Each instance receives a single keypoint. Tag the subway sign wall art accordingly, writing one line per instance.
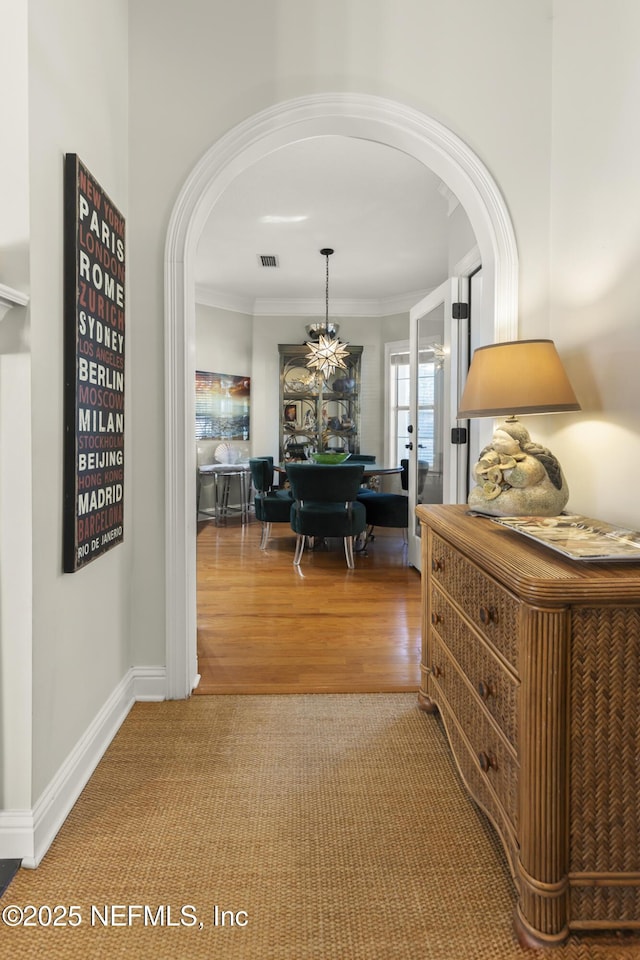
(94, 345)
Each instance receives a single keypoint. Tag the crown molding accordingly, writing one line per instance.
(208, 297)
(285, 307)
(471, 261)
(449, 196)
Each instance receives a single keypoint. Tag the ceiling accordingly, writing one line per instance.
(383, 212)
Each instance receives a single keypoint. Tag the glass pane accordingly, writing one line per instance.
(402, 383)
(430, 426)
(404, 437)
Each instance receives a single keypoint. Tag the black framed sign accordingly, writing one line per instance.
(94, 350)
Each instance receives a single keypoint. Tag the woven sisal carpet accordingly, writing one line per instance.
(277, 828)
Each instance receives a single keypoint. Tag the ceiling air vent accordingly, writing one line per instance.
(268, 260)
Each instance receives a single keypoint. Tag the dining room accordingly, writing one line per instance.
(318, 625)
(273, 620)
(269, 327)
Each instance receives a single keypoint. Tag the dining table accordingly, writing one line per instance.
(370, 471)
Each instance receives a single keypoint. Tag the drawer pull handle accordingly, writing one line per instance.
(487, 762)
(486, 690)
(488, 615)
(437, 566)
(435, 618)
(436, 671)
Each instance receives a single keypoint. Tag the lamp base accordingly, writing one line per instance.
(516, 477)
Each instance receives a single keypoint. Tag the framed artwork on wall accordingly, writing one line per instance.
(94, 351)
(223, 404)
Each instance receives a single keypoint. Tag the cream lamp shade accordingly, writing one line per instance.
(518, 377)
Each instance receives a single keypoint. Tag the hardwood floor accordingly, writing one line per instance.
(265, 626)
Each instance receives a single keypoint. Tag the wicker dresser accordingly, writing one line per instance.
(533, 662)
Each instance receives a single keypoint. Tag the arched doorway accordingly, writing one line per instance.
(348, 115)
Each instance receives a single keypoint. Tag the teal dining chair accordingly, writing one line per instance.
(271, 505)
(325, 504)
(387, 509)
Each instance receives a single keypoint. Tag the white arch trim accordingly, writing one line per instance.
(349, 115)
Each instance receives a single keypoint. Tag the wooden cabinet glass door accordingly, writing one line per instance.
(318, 413)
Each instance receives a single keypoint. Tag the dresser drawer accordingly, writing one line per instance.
(490, 752)
(494, 685)
(493, 611)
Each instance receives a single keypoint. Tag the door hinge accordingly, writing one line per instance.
(458, 435)
(460, 311)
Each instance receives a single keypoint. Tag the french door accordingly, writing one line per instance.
(438, 361)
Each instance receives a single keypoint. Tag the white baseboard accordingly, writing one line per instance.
(16, 834)
(149, 683)
(28, 834)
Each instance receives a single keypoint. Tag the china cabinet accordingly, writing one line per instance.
(318, 413)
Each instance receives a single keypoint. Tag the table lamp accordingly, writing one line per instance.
(516, 476)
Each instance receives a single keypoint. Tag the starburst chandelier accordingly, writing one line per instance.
(328, 353)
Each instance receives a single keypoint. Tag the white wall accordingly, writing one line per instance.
(595, 255)
(15, 417)
(78, 103)
(14, 161)
(223, 341)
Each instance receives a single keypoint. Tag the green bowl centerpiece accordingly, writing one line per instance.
(329, 457)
